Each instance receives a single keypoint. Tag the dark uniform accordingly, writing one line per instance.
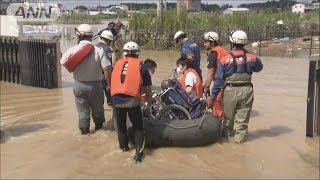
(190, 50)
(103, 80)
(233, 76)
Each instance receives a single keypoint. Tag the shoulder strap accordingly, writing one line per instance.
(234, 63)
(245, 62)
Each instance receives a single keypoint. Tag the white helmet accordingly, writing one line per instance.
(84, 30)
(131, 48)
(211, 36)
(238, 37)
(107, 35)
(178, 35)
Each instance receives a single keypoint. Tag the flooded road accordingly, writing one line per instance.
(42, 139)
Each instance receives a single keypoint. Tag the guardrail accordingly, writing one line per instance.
(32, 62)
(313, 106)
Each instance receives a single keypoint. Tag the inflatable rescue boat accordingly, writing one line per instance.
(182, 133)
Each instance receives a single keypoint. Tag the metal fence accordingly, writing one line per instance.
(313, 106)
(32, 62)
(9, 60)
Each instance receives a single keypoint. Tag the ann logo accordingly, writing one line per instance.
(38, 12)
(34, 11)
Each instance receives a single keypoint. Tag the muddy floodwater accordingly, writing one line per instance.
(42, 139)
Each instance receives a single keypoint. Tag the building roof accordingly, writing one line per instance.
(238, 9)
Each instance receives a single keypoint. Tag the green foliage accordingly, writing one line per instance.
(281, 4)
(80, 18)
(149, 32)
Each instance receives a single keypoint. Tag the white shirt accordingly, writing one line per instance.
(191, 79)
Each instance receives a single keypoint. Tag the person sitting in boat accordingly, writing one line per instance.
(193, 104)
(189, 78)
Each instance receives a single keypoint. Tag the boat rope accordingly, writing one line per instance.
(190, 126)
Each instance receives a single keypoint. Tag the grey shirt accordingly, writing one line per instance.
(90, 68)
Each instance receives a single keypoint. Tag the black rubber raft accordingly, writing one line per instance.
(182, 133)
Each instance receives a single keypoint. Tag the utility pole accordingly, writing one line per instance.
(160, 10)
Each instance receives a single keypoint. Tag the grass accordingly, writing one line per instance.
(151, 33)
(80, 18)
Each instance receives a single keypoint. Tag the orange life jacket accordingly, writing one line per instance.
(132, 82)
(221, 52)
(197, 87)
(237, 54)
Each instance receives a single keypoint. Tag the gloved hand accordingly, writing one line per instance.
(108, 89)
(209, 102)
(149, 110)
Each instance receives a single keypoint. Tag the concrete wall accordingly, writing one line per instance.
(9, 26)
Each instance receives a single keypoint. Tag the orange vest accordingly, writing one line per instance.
(221, 52)
(132, 82)
(197, 87)
(238, 53)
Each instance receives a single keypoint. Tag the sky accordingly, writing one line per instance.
(94, 3)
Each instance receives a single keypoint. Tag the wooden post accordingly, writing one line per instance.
(1, 58)
(260, 45)
(313, 107)
(311, 44)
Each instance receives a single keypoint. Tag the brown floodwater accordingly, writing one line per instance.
(42, 139)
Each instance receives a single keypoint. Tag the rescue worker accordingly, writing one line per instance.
(87, 87)
(189, 79)
(105, 42)
(118, 41)
(152, 65)
(189, 50)
(215, 54)
(233, 77)
(129, 78)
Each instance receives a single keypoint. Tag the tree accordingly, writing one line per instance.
(225, 6)
(210, 7)
(282, 4)
(81, 8)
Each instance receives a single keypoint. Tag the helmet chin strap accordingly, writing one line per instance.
(231, 45)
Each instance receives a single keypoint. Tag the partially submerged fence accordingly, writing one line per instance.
(313, 106)
(32, 62)
(9, 65)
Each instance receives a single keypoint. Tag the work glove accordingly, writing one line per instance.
(108, 89)
(209, 102)
(149, 111)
